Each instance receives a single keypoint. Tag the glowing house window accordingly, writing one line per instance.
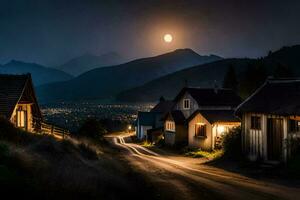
(200, 130)
(170, 126)
(21, 118)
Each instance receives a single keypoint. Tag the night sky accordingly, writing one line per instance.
(51, 32)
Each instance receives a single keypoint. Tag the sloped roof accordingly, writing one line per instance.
(177, 116)
(148, 118)
(213, 116)
(11, 89)
(275, 96)
(163, 106)
(212, 97)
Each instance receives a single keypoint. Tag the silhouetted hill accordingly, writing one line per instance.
(208, 74)
(40, 74)
(168, 86)
(86, 62)
(106, 82)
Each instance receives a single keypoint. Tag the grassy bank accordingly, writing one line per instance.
(39, 166)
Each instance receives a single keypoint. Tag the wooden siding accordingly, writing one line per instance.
(204, 143)
(193, 105)
(255, 142)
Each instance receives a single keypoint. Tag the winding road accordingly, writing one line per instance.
(177, 177)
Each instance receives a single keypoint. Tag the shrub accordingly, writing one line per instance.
(92, 128)
(232, 143)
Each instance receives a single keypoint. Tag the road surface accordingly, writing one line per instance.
(181, 178)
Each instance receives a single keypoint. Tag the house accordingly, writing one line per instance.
(175, 128)
(196, 115)
(18, 102)
(149, 124)
(206, 127)
(270, 120)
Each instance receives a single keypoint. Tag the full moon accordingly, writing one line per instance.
(168, 38)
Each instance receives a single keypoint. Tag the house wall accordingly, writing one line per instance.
(142, 131)
(27, 108)
(254, 142)
(193, 105)
(169, 138)
(204, 143)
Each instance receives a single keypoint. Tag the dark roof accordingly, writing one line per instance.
(148, 118)
(163, 106)
(177, 116)
(214, 116)
(212, 97)
(278, 97)
(11, 90)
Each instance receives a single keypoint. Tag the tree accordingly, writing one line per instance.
(230, 80)
(92, 128)
(254, 76)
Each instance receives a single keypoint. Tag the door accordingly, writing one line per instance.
(22, 119)
(274, 138)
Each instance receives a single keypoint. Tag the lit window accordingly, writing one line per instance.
(200, 130)
(255, 123)
(170, 126)
(186, 104)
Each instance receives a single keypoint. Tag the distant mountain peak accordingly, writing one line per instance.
(89, 61)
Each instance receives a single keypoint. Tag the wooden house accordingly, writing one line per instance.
(149, 125)
(196, 112)
(206, 127)
(18, 102)
(270, 119)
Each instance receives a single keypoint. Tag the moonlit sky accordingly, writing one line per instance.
(51, 32)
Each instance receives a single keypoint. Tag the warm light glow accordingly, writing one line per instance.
(168, 38)
(129, 127)
(221, 129)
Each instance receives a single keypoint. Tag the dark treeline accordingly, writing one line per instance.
(254, 76)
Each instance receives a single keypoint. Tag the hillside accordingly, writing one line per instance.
(168, 86)
(42, 167)
(86, 62)
(106, 82)
(206, 75)
(40, 74)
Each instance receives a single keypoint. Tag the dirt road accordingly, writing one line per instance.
(176, 177)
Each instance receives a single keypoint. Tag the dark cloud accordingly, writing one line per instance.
(50, 32)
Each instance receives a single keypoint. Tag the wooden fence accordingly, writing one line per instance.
(54, 130)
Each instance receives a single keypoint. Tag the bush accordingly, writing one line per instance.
(232, 143)
(92, 128)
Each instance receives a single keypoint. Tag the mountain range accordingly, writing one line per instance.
(40, 74)
(107, 82)
(87, 62)
(208, 75)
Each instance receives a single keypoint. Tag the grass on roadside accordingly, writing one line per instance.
(198, 153)
(146, 144)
